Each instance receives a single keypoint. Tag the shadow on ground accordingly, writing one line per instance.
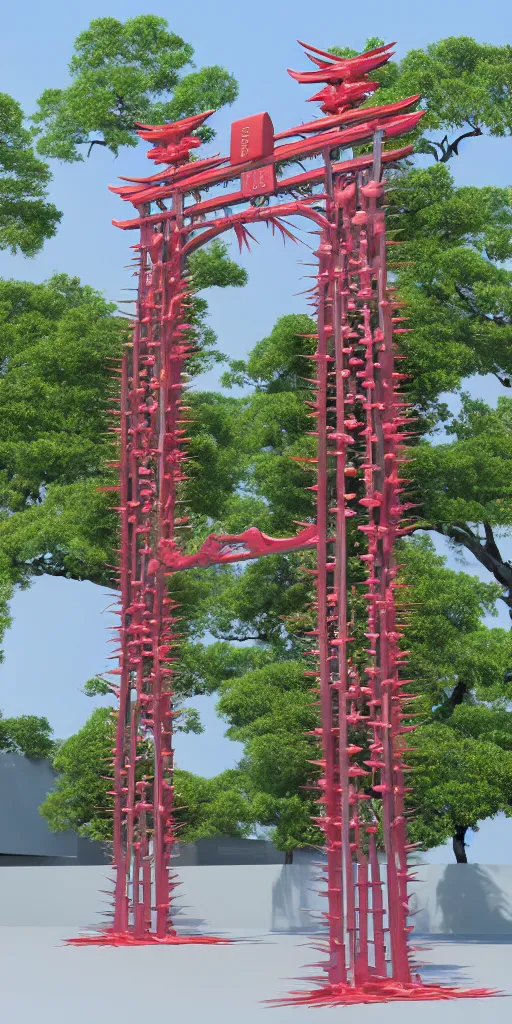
(472, 904)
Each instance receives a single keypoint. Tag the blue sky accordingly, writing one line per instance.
(58, 638)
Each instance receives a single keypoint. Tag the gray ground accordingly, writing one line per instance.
(43, 982)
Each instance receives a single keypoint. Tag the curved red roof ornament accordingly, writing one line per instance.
(346, 78)
(175, 139)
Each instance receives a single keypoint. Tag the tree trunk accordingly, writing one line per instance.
(459, 846)
(288, 857)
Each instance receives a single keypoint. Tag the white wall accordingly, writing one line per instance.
(447, 900)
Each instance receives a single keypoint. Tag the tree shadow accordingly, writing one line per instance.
(472, 904)
(294, 903)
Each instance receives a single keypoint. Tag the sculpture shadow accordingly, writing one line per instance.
(445, 974)
(295, 907)
(471, 904)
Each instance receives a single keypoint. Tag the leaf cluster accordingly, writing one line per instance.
(27, 219)
(123, 73)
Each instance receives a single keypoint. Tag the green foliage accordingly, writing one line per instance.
(55, 384)
(6, 590)
(218, 806)
(27, 735)
(252, 604)
(463, 486)
(459, 667)
(55, 392)
(460, 778)
(216, 459)
(277, 362)
(121, 73)
(241, 473)
(459, 294)
(463, 759)
(450, 648)
(202, 669)
(55, 389)
(463, 84)
(211, 268)
(80, 800)
(269, 710)
(467, 480)
(26, 219)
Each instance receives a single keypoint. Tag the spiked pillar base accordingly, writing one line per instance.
(111, 938)
(378, 991)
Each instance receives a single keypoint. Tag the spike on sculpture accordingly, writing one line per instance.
(360, 441)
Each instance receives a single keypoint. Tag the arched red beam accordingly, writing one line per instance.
(255, 215)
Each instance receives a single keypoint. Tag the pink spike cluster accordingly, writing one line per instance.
(360, 420)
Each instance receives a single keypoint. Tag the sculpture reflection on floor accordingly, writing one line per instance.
(359, 419)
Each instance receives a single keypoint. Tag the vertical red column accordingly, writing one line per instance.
(151, 466)
(329, 798)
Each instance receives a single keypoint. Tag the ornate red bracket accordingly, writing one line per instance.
(232, 547)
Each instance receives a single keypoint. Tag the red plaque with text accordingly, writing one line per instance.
(252, 138)
(260, 182)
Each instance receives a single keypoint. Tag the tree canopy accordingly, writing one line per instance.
(27, 219)
(56, 386)
(121, 73)
(461, 672)
(464, 87)
(80, 800)
(27, 735)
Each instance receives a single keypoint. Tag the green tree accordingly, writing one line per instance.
(461, 672)
(455, 241)
(464, 486)
(26, 218)
(27, 735)
(270, 710)
(459, 298)
(56, 387)
(121, 73)
(458, 243)
(6, 589)
(464, 87)
(80, 800)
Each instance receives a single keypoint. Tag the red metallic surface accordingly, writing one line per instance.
(261, 182)
(358, 134)
(358, 420)
(252, 138)
(238, 547)
(228, 200)
(349, 117)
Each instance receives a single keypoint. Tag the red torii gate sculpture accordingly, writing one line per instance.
(357, 409)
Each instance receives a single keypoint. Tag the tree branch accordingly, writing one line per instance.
(242, 639)
(505, 381)
(453, 147)
(449, 149)
(490, 543)
(430, 142)
(502, 321)
(487, 553)
(95, 142)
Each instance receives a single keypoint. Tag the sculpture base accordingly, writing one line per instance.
(378, 991)
(111, 938)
